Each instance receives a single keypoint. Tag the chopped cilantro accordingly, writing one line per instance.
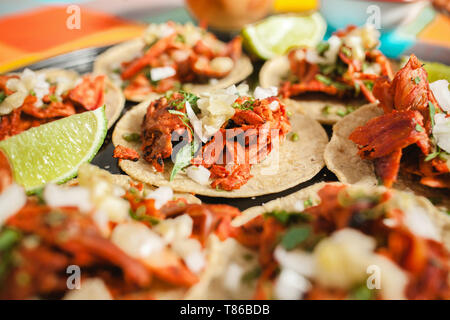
(325, 80)
(432, 112)
(341, 113)
(132, 137)
(362, 293)
(53, 98)
(8, 237)
(286, 217)
(2, 96)
(294, 236)
(369, 84)
(308, 203)
(251, 275)
(180, 38)
(326, 109)
(294, 137)
(140, 215)
(32, 93)
(346, 51)
(419, 128)
(187, 97)
(322, 47)
(246, 105)
(433, 155)
(417, 80)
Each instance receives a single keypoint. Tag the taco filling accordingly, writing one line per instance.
(354, 244)
(346, 65)
(177, 54)
(216, 137)
(127, 243)
(29, 99)
(413, 133)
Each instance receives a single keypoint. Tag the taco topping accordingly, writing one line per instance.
(222, 134)
(177, 54)
(413, 132)
(353, 245)
(29, 99)
(119, 239)
(345, 65)
(124, 153)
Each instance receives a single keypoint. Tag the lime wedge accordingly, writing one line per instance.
(54, 151)
(437, 71)
(277, 34)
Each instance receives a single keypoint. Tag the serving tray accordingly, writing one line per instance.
(82, 62)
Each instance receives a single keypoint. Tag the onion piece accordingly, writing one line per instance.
(296, 260)
(441, 93)
(136, 239)
(199, 174)
(91, 289)
(161, 196)
(56, 196)
(290, 285)
(196, 123)
(162, 73)
(441, 131)
(12, 199)
(264, 93)
(179, 228)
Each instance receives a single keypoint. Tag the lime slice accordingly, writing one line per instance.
(277, 34)
(54, 151)
(437, 71)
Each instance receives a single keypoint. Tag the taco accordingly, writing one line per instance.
(30, 98)
(125, 242)
(402, 142)
(224, 144)
(336, 241)
(333, 79)
(171, 56)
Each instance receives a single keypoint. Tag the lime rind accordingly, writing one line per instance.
(26, 170)
(277, 34)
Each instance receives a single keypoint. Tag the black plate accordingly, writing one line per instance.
(82, 62)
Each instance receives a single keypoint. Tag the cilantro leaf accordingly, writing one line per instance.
(294, 236)
(184, 157)
(2, 96)
(432, 112)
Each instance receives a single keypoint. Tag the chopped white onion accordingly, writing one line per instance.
(136, 239)
(179, 228)
(91, 289)
(290, 285)
(101, 219)
(233, 277)
(196, 123)
(441, 131)
(441, 93)
(418, 222)
(12, 199)
(222, 64)
(161, 196)
(195, 262)
(274, 105)
(162, 73)
(297, 260)
(191, 252)
(12, 102)
(263, 93)
(199, 174)
(56, 196)
(299, 205)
